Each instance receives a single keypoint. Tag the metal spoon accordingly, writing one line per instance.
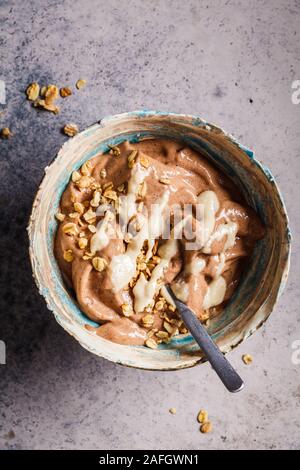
(222, 367)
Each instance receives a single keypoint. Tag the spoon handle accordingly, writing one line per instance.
(220, 364)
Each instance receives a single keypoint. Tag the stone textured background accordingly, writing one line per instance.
(232, 62)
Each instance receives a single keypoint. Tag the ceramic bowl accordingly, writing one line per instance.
(265, 275)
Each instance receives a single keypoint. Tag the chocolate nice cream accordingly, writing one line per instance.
(144, 215)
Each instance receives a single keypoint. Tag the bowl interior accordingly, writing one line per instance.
(263, 279)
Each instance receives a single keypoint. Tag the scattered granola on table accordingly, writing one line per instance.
(40, 103)
(202, 416)
(65, 92)
(33, 91)
(51, 94)
(80, 83)
(70, 129)
(45, 97)
(206, 427)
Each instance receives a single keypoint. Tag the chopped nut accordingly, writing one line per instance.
(171, 307)
(92, 228)
(164, 181)
(99, 263)
(80, 83)
(95, 186)
(84, 182)
(96, 199)
(82, 243)
(165, 316)
(115, 150)
(103, 173)
(205, 315)
(148, 320)
(79, 207)
(90, 216)
(51, 94)
(206, 427)
(76, 176)
(86, 168)
(6, 133)
(51, 107)
(43, 91)
(110, 194)
(175, 331)
(81, 234)
(68, 256)
(60, 216)
(176, 322)
(173, 411)
(70, 229)
(150, 343)
(70, 129)
(162, 334)
(33, 91)
(202, 416)
(126, 309)
(86, 257)
(131, 158)
(64, 92)
(151, 332)
(247, 358)
(89, 253)
(48, 106)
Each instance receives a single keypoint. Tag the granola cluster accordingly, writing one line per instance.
(45, 97)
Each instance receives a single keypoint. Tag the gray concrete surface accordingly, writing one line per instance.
(232, 62)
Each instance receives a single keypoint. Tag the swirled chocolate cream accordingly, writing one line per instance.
(145, 215)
